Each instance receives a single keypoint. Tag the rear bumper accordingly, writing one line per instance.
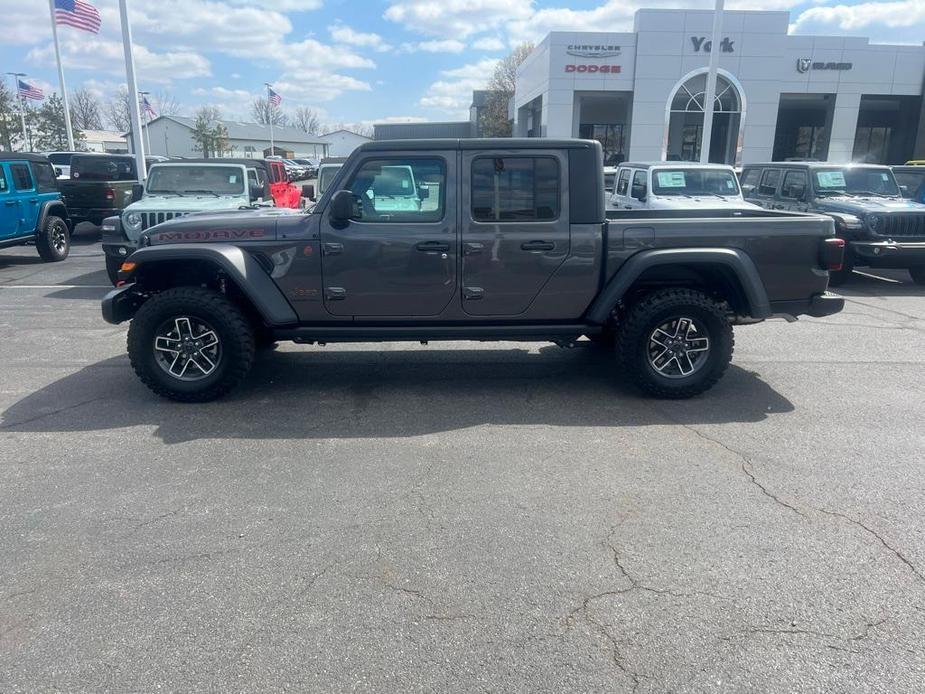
(888, 254)
(818, 306)
(120, 304)
(91, 214)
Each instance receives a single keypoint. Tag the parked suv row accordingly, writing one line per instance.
(880, 227)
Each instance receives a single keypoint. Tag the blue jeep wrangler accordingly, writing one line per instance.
(30, 206)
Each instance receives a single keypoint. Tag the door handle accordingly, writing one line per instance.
(332, 248)
(433, 246)
(33, 199)
(537, 246)
(473, 293)
(335, 293)
(10, 203)
(472, 248)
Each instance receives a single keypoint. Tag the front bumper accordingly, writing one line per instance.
(120, 304)
(818, 306)
(888, 254)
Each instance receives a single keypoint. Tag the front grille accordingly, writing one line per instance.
(901, 224)
(149, 219)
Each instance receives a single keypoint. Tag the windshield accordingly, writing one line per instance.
(220, 180)
(694, 182)
(855, 180)
(325, 177)
(61, 158)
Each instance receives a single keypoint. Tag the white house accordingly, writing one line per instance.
(342, 142)
(171, 136)
(104, 141)
(778, 95)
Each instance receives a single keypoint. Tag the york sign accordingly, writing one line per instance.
(704, 45)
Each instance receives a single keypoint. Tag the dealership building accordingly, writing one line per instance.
(778, 95)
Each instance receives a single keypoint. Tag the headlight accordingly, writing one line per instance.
(133, 220)
(848, 221)
(874, 221)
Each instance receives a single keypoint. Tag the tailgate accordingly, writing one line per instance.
(85, 194)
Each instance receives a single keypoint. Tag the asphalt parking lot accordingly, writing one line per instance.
(460, 517)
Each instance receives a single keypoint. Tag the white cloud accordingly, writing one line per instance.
(282, 5)
(312, 56)
(453, 93)
(489, 43)
(105, 56)
(888, 21)
(456, 18)
(344, 34)
(437, 46)
(306, 88)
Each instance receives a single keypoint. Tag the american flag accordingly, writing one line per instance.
(79, 14)
(147, 108)
(29, 91)
(273, 97)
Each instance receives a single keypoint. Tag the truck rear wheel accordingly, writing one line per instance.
(675, 343)
(53, 241)
(190, 344)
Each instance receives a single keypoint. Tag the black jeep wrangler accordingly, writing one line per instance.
(467, 239)
(880, 227)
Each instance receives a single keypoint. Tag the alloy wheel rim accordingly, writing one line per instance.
(187, 348)
(58, 238)
(678, 347)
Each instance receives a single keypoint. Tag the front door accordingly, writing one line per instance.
(398, 256)
(515, 231)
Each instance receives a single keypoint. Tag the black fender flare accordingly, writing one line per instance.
(52, 207)
(732, 259)
(239, 266)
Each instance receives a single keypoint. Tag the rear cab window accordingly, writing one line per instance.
(103, 168)
(515, 189)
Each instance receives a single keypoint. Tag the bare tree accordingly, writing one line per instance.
(263, 112)
(209, 134)
(493, 120)
(306, 120)
(164, 103)
(86, 113)
(117, 111)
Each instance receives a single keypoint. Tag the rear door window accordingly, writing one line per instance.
(623, 183)
(4, 186)
(22, 179)
(749, 181)
(515, 189)
(639, 179)
(794, 185)
(769, 181)
(45, 177)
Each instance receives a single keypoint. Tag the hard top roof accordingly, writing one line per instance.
(676, 165)
(23, 156)
(813, 165)
(234, 161)
(493, 143)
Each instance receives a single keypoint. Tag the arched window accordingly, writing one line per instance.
(691, 95)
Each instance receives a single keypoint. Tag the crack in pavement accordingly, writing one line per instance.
(899, 555)
(29, 420)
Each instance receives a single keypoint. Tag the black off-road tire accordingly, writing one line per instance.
(918, 274)
(113, 263)
(53, 241)
(653, 310)
(235, 334)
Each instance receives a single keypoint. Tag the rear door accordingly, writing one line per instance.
(398, 256)
(9, 206)
(28, 198)
(620, 199)
(515, 228)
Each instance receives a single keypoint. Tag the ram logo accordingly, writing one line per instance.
(803, 64)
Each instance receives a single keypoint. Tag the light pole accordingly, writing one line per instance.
(144, 95)
(137, 143)
(22, 107)
(710, 92)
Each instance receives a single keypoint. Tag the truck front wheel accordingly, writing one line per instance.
(53, 241)
(675, 343)
(190, 344)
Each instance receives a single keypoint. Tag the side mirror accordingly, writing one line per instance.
(308, 191)
(57, 171)
(343, 208)
(639, 192)
(138, 190)
(423, 192)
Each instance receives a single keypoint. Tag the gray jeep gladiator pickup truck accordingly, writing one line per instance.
(467, 240)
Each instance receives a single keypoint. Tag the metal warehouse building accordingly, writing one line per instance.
(778, 95)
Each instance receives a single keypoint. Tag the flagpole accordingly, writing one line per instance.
(22, 109)
(67, 109)
(270, 118)
(137, 137)
(147, 116)
(710, 93)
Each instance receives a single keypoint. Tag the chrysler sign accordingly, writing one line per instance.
(593, 51)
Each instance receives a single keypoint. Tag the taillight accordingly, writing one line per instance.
(110, 194)
(833, 254)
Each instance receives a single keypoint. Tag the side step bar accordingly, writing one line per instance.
(425, 333)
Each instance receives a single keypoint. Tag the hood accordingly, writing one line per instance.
(187, 203)
(705, 202)
(218, 227)
(859, 206)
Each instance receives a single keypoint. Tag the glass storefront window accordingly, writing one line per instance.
(610, 137)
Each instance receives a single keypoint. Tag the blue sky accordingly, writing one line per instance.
(357, 61)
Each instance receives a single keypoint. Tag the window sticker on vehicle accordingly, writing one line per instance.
(232, 179)
(831, 179)
(730, 184)
(884, 177)
(671, 179)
